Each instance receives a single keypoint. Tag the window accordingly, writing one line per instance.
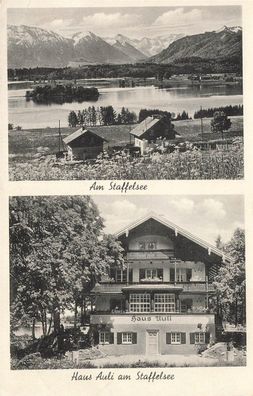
(199, 338)
(151, 246)
(175, 338)
(147, 274)
(147, 245)
(139, 302)
(104, 338)
(121, 275)
(126, 338)
(164, 302)
(181, 275)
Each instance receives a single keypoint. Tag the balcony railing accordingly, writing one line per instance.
(186, 286)
(199, 310)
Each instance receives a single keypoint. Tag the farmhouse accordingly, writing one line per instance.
(83, 144)
(162, 301)
(151, 129)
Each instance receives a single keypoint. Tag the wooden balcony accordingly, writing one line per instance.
(190, 287)
(149, 255)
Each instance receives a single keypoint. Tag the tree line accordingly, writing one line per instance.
(144, 113)
(103, 115)
(191, 65)
(236, 110)
(62, 93)
(58, 252)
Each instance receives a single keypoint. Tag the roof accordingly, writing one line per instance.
(144, 126)
(178, 230)
(80, 132)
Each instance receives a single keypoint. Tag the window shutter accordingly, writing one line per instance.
(130, 275)
(172, 274)
(160, 273)
(142, 273)
(192, 338)
(134, 338)
(113, 273)
(119, 338)
(111, 338)
(207, 338)
(96, 337)
(183, 338)
(168, 338)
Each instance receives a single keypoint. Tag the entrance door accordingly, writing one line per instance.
(152, 342)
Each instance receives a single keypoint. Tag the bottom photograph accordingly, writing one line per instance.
(135, 281)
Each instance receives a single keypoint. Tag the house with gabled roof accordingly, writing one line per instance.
(151, 129)
(83, 144)
(162, 300)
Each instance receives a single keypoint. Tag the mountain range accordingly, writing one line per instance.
(223, 43)
(32, 46)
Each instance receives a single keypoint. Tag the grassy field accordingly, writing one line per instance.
(29, 142)
(33, 141)
(175, 166)
(191, 129)
(31, 157)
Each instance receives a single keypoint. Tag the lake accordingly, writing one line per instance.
(175, 99)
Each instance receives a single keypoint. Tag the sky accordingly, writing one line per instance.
(131, 21)
(205, 216)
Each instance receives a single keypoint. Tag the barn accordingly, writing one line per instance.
(84, 144)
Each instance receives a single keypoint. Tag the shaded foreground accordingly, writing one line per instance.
(190, 165)
(35, 362)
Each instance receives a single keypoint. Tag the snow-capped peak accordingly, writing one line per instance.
(85, 36)
(233, 29)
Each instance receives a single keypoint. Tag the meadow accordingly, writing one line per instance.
(31, 156)
(224, 164)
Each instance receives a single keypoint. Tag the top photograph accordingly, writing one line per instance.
(125, 93)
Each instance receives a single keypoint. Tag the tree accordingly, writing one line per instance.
(218, 242)
(57, 254)
(220, 122)
(72, 119)
(230, 280)
(80, 117)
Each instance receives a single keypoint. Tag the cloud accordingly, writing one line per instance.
(185, 205)
(57, 24)
(179, 17)
(115, 20)
(212, 208)
(120, 213)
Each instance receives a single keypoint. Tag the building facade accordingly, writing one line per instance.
(162, 301)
